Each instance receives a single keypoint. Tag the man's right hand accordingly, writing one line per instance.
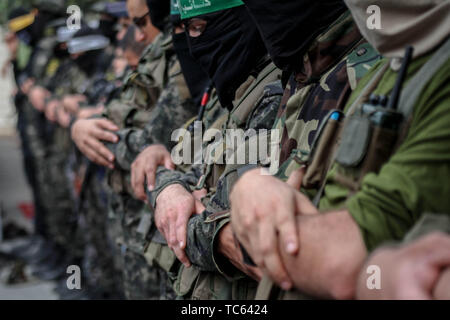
(50, 110)
(72, 102)
(174, 207)
(263, 213)
(88, 134)
(37, 97)
(145, 166)
(410, 272)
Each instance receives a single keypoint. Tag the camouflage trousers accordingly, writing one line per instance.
(141, 281)
(99, 262)
(58, 196)
(29, 126)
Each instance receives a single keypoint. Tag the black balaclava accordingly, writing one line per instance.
(196, 78)
(107, 27)
(88, 61)
(229, 49)
(289, 27)
(159, 12)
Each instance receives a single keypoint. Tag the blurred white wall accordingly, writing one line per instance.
(7, 112)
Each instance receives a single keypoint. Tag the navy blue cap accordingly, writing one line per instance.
(117, 9)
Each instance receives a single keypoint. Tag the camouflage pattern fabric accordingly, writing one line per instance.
(325, 83)
(155, 101)
(255, 107)
(322, 85)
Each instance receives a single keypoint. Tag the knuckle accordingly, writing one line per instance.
(265, 248)
(436, 237)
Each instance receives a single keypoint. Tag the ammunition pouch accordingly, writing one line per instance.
(364, 148)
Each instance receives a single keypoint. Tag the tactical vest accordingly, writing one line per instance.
(157, 253)
(361, 143)
(247, 97)
(141, 91)
(192, 283)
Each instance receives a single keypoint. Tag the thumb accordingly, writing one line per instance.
(198, 207)
(296, 177)
(168, 163)
(108, 125)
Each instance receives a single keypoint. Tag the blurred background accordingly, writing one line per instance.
(16, 207)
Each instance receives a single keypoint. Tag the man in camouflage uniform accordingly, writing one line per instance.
(154, 102)
(369, 198)
(251, 96)
(43, 66)
(21, 54)
(69, 79)
(344, 36)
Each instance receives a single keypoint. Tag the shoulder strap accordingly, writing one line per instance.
(416, 85)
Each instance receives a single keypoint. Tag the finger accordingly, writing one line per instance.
(160, 225)
(100, 134)
(439, 253)
(199, 194)
(107, 125)
(150, 174)
(304, 206)
(101, 151)
(168, 163)
(198, 207)
(134, 169)
(181, 230)
(181, 255)
(286, 225)
(139, 181)
(271, 257)
(172, 230)
(256, 273)
(296, 177)
(93, 156)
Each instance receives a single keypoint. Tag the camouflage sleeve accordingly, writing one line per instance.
(199, 249)
(164, 178)
(173, 108)
(203, 230)
(202, 235)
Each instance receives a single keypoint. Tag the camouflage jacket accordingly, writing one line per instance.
(331, 68)
(187, 174)
(255, 107)
(154, 102)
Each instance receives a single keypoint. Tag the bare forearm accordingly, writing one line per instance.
(330, 257)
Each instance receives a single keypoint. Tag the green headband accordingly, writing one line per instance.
(193, 8)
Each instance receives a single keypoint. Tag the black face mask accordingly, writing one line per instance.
(159, 12)
(228, 50)
(196, 78)
(88, 61)
(60, 53)
(106, 28)
(289, 27)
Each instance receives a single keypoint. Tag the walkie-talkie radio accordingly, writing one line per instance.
(383, 111)
(371, 133)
